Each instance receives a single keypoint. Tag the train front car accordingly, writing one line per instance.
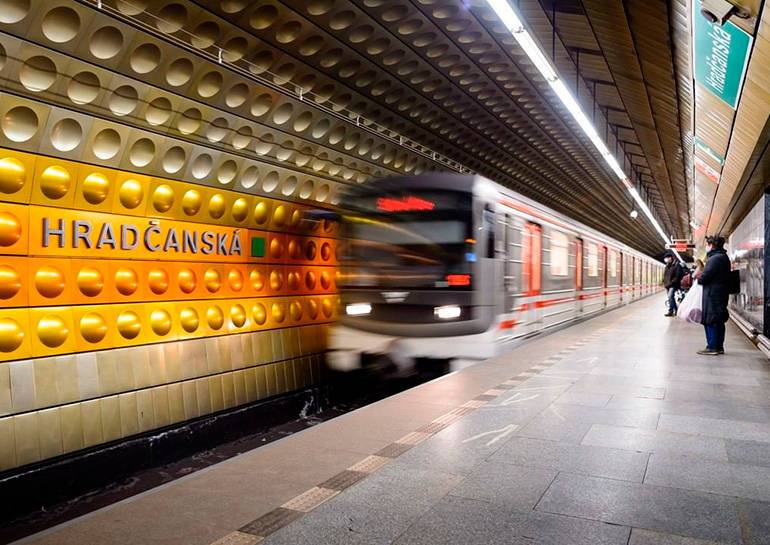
(417, 253)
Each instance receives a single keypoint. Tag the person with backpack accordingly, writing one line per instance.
(672, 278)
(716, 281)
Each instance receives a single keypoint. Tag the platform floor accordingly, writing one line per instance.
(612, 431)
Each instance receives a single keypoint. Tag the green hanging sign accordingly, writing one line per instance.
(721, 56)
(709, 151)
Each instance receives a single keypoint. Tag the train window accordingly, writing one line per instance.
(593, 260)
(488, 220)
(613, 263)
(559, 254)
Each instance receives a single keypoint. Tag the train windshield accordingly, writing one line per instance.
(408, 240)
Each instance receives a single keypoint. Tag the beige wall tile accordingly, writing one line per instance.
(109, 377)
(22, 385)
(111, 425)
(125, 369)
(88, 375)
(217, 397)
(91, 414)
(157, 359)
(51, 443)
(7, 444)
(140, 361)
(160, 403)
(67, 379)
(228, 391)
(239, 383)
(176, 403)
(6, 405)
(145, 410)
(171, 355)
(71, 427)
(129, 416)
(46, 388)
(280, 377)
(250, 381)
(204, 396)
(190, 398)
(261, 375)
(27, 436)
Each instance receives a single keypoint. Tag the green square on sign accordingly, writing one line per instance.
(257, 246)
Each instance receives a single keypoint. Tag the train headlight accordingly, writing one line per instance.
(358, 309)
(447, 312)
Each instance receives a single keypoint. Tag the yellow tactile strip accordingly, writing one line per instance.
(257, 530)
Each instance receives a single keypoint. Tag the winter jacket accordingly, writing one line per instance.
(672, 275)
(715, 279)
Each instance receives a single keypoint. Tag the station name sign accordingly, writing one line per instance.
(68, 233)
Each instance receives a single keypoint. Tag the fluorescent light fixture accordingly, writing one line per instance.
(358, 309)
(537, 56)
(447, 312)
(634, 214)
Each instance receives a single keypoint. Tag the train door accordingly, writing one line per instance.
(515, 276)
(579, 275)
(533, 255)
(605, 275)
(621, 278)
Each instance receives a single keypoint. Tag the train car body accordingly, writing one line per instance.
(450, 266)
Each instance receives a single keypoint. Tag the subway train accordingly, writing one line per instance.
(443, 266)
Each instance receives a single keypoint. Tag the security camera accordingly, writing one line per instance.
(719, 11)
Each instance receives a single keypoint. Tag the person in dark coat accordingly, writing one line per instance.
(672, 278)
(715, 279)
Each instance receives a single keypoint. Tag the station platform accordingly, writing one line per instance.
(612, 431)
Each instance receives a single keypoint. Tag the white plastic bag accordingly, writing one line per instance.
(691, 308)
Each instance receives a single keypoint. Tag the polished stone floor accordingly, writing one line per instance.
(624, 437)
(612, 431)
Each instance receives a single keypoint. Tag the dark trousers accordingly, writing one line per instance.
(672, 300)
(715, 336)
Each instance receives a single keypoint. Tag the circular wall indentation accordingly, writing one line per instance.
(163, 198)
(19, 124)
(142, 152)
(249, 177)
(212, 280)
(242, 137)
(306, 190)
(189, 121)
(158, 281)
(55, 182)
(261, 104)
(49, 281)
(259, 313)
(52, 330)
(129, 325)
(323, 193)
(158, 111)
(92, 327)
(217, 205)
(205, 34)
(240, 209)
(260, 212)
(270, 181)
(275, 280)
(145, 58)
(235, 49)
(10, 282)
(278, 311)
(237, 315)
(131, 7)
(61, 24)
(126, 281)
(237, 95)
(235, 280)
(131, 193)
(263, 17)
(283, 113)
(11, 335)
(171, 18)
(257, 280)
(214, 317)
(188, 318)
(210, 84)
(13, 11)
(90, 281)
(186, 280)
(160, 322)
(95, 188)
(217, 130)
(202, 166)
(179, 72)
(10, 229)
(289, 185)
(123, 100)
(191, 202)
(66, 135)
(37, 73)
(13, 175)
(174, 159)
(106, 144)
(227, 171)
(83, 88)
(106, 42)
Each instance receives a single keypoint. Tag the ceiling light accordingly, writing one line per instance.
(634, 213)
(537, 56)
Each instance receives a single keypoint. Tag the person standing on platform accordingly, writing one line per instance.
(715, 279)
(672, 277)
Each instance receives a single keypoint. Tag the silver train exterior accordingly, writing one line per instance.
(449, 266)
